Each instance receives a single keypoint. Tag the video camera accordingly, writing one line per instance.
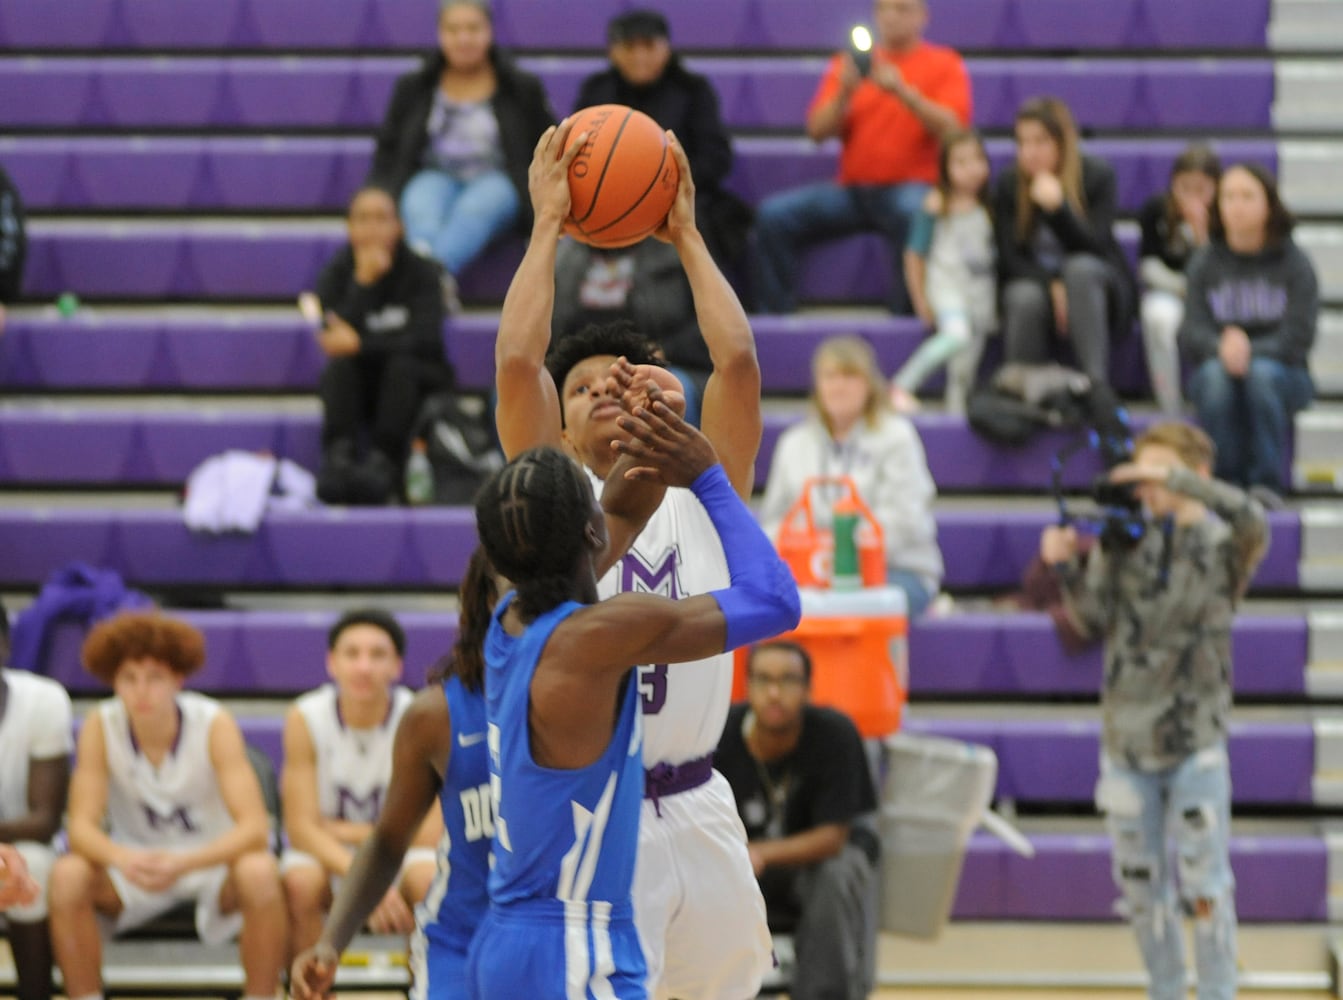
(1118, 521)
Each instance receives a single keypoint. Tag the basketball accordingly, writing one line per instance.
(623, 181)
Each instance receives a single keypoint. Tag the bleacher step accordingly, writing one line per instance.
(1321, 547)
(1306, 25)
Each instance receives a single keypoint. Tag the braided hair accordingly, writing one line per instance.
(479, 594)
(531, 515)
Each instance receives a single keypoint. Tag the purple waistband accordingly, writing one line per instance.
(662, 780)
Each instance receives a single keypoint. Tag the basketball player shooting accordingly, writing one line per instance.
(697, 905)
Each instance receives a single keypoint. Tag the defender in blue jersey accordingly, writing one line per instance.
(565, 745)
(439, 752)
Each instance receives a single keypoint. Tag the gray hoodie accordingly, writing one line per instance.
(1272, 295)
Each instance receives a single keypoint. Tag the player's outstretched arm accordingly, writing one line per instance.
(730, 413)
(528, 410)
(423, 737)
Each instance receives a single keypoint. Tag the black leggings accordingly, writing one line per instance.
(380, 393)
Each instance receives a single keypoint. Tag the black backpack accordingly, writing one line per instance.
(1022, 400)
(459, 440)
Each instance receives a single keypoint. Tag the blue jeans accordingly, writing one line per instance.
(789, 222)
(456, 220)
(917, 594)
(1250, 418)
(1192, 803)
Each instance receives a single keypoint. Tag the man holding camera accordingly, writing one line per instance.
(890, 108)
(1163, 602)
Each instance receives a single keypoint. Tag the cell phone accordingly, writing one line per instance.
(860, 48)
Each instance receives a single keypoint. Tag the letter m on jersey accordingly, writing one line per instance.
(656, 577)
(355, 808)
(176, 820)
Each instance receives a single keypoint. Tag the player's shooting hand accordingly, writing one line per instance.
(666, 448)
(548, 175)
(680, 221)
(392, 915)
(313, 973)
(1058, 544)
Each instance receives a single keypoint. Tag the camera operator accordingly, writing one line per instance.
(1163, 605)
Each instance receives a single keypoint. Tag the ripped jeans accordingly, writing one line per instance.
(1190, 803)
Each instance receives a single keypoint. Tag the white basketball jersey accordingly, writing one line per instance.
(677, 555)
(36, 726)
(177, 804)
(353, 765)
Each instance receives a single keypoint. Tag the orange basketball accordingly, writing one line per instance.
(622, 183)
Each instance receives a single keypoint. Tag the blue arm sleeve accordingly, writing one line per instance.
(920, 238)
(762, 600)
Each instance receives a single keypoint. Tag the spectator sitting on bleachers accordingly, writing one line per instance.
(382, 312)
(429, 766)
(854, 433)
(1059, 264)
(643, 284)
(1174, 224)
(1164, 606)
(337, 763)
(645, 74)
(803, 789)
(165, 809)
(1249, 325)
(891, 124)
(951, 276)
(35, 746)
(456, 141)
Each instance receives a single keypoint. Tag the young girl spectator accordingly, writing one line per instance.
(457, 140)
(949, 270)
(1248, 328)
(1174, 225)
(854, 433)
(1062, 270)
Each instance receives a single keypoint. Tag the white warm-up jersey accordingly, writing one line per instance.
(677, 555)
(177, 804)
(353, 765)
(36, 726)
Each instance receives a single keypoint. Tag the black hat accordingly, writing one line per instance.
(636, 25)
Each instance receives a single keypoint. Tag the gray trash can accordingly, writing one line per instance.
(934, 794)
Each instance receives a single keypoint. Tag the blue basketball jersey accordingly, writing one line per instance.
(560, 835)
(457, 900)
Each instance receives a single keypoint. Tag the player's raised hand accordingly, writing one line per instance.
(666, 448)
(313, 973)
(630, 384)
(680, 220)
(548, 175)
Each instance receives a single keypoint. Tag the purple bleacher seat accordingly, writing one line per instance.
(48, 444)
(287, 174)
(1278, 878)
(1056, 760)
(261, 653)
(324, 92)
(1018, 653)
(98, 350)
(394, 547)
(706, 24)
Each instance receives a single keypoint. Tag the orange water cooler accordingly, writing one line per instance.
(858, 641)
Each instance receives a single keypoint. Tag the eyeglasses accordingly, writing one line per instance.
(789, 682)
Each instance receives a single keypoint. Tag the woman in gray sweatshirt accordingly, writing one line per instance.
(1248, 327)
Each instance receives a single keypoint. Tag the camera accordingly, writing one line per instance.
(860, 48)
(1118, 521)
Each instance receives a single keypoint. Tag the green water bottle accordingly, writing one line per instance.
(419, 475)
(846, 574)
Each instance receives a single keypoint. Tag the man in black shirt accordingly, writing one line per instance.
(382, 331)
(645, 74)
(803, 788)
